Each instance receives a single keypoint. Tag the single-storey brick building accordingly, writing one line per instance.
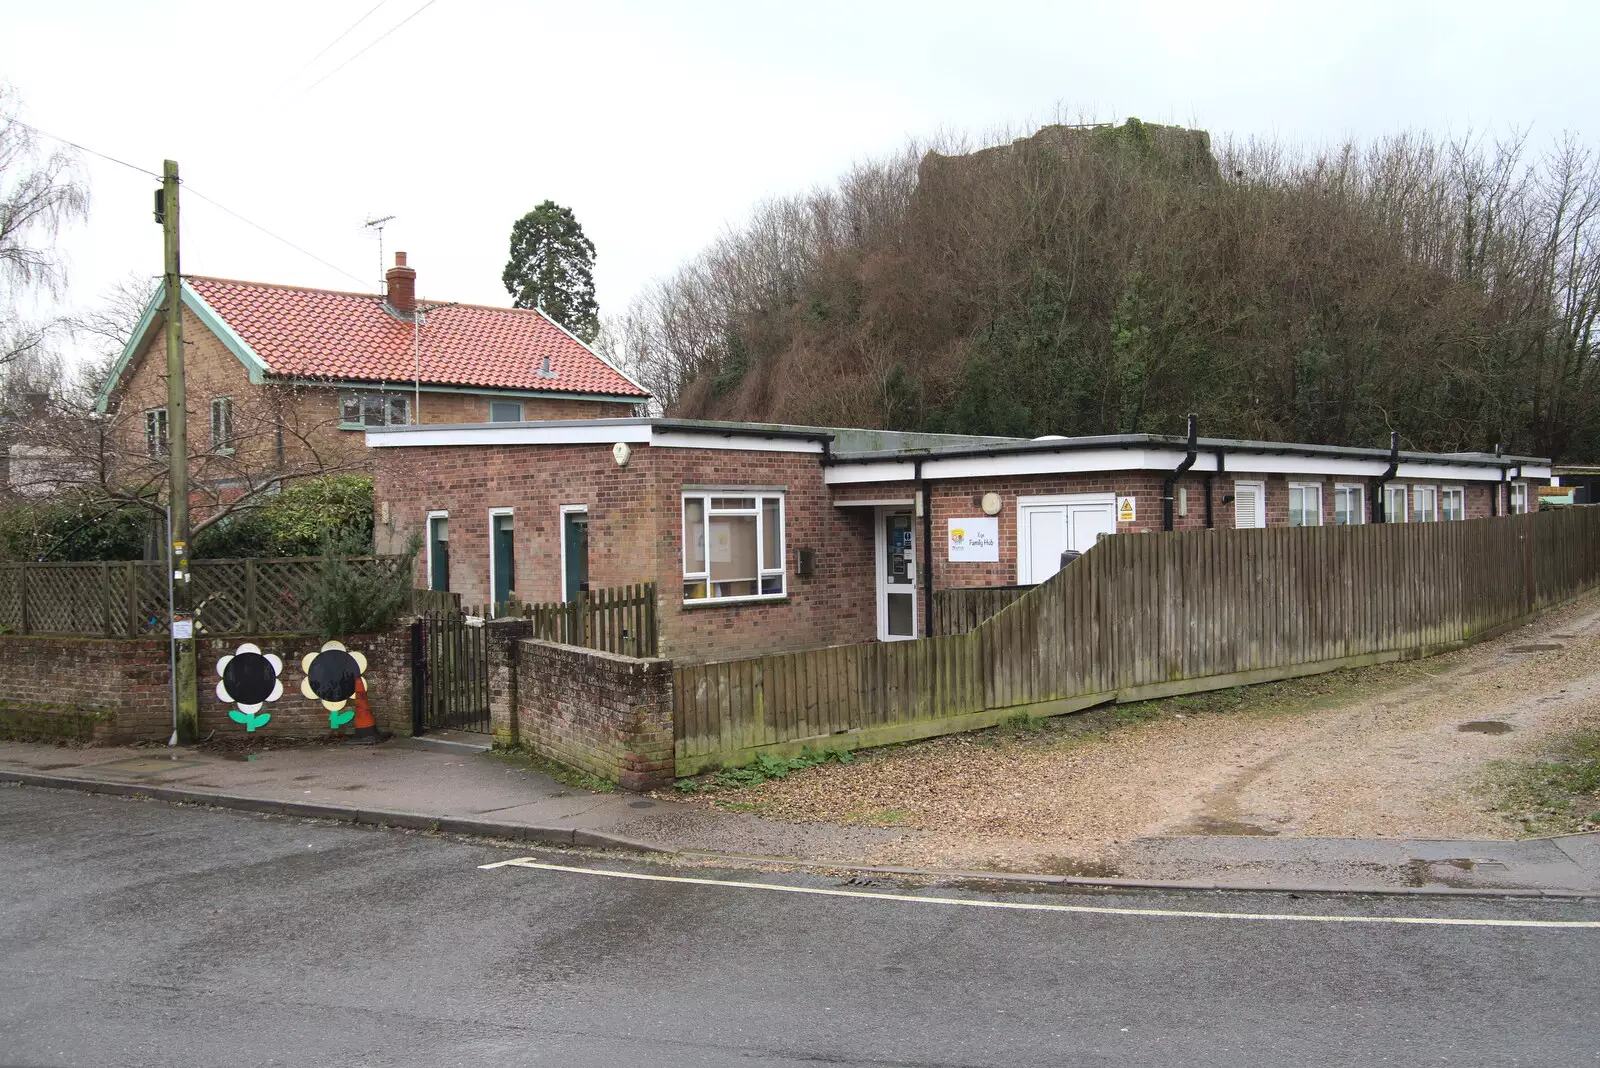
(769, 538)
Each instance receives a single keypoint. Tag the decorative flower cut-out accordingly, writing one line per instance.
(249, 678)
(331, 677)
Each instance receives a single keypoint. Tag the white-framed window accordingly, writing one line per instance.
(1519, 498)
(1424, 504)
(1249, 504)
(438, 550)
(1349, 505)
(732, 545)
(502, 556)
(222, 425)
(1305, 504)
(1452, 503)
(505, 411)
(155, 433)
(358, 410)
(1394, 504)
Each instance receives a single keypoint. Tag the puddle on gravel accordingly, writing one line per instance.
(1485, 726)
(1211, 825)
(1537, 647)
(53, 767)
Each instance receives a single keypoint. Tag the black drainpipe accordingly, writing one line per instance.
(1222, 465)
(1378, 512)
(1494, 491)
(927, 549)
(1167, 488)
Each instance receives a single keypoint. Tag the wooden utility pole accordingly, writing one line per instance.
(186, 697)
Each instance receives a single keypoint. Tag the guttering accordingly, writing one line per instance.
(1167, 487)
(1378, 510)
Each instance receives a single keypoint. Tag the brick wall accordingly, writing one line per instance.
(636, 534)
(608, 715)
(127, 685)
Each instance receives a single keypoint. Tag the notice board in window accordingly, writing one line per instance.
(976, 539)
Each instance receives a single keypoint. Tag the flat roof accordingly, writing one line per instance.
(860, 445)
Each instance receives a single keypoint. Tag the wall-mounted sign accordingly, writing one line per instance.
(1126, 512)
(976, 539)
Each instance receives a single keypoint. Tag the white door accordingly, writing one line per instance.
(1047, 526)
(897, 575)
(1249, 505)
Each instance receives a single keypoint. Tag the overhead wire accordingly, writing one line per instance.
(191, 189)
(370, 45)
(348, 30)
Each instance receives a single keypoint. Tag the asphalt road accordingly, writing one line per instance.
(138, 933)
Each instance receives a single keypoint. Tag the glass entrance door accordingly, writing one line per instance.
(897, 577)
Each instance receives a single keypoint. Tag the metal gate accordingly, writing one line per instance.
(449, 674)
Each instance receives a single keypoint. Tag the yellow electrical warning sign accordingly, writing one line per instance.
(1126, 513)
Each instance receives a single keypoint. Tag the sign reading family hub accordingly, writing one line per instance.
(977, 539)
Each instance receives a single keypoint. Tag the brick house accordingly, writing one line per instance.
(765, 538)
(279, 375)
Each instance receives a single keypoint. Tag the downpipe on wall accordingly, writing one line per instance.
(1377, 509)
(1168, 487)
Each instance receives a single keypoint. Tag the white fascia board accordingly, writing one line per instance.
(1050, 463)
(493, 434)
(877, 502)
(882, 471)
(1446, 473)
(1281, 464)
(677, 439)
(1531, 471)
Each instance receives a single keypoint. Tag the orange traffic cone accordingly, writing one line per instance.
(366, 732)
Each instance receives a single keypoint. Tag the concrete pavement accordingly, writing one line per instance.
(455, 787)
(148, 934)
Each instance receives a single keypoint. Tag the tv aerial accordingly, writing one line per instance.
(376, 225)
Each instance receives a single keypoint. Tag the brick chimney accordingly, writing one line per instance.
(402, 286)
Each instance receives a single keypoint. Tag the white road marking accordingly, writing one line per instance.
(1029, 906)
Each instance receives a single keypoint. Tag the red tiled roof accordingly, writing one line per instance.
(320, 333)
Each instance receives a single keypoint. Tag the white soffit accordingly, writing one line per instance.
(493, 434)
(883, 471)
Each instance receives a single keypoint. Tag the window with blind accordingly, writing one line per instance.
(732, 546)
(1249, 504)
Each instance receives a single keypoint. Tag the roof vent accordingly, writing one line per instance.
(544, 368)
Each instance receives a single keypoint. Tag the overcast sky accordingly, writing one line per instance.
(661, 123)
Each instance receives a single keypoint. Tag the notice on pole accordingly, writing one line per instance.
(975, 539)
(182, 629)
(1126, 512)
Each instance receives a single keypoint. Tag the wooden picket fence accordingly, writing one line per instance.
(619, 619)
(1151, 615)
(128, 599)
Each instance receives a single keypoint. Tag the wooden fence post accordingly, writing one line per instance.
(105, 597)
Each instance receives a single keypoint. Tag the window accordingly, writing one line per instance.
(1349, 506)
(1452, 503)
(732, 546)
(1519, 498)
(438, 550)
(357, 410)
(1424, 504)
(1305, 504)
(222, 424)
(155, 433)
(505, 411)
(1249, 504)
(1394, 504)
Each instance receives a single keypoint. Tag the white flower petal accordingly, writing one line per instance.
(250, 710)
(222, 692)
(248, 647)
(332, 645)
(360, 659)
(222, 665)
(277, 690)
(276, 661)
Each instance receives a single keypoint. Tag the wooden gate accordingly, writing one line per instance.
(449, 674)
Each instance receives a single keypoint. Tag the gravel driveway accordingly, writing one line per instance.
(1394, 751)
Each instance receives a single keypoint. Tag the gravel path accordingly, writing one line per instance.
(1372, 754)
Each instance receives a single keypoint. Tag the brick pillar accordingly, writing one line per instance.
(646, 761)
(502, 636)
